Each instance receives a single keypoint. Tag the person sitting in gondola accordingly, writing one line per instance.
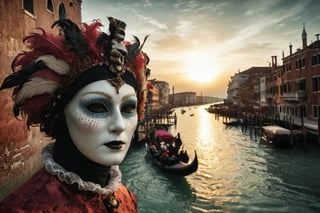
(164, 156)
(168, 160)
(154, 152)
(163, 146)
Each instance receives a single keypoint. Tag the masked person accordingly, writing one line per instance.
(85, 89)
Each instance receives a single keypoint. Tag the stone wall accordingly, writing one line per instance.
(20, 148)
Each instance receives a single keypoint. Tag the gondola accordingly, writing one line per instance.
(180, 165)
(178, 168)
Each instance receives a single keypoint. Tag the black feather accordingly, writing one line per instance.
(133, 49)
(22, 76)
(16, 110)
(115, 25)
(104, 41)
(74, 40)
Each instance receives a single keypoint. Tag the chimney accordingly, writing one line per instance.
(290, 49)
(274, 60)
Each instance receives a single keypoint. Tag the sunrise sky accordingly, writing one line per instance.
(197, 45)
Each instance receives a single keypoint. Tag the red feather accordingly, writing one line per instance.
(91, 33)
(34, 107)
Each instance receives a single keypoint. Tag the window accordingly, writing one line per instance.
(62, 12)
(304, 111)
(50, 5)
(302, 84)
(303, 63)
(315, 60)
(315, 84)
(28, 6)
(284, 88)
(289, 86)
(289, 66)
(315, 110)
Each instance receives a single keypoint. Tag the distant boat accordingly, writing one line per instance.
(182, 111)
(192, 114)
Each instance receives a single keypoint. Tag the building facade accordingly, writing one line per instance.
(184, 99)
(245, 88)
(20, 148)
(301, 80)
(291, 90)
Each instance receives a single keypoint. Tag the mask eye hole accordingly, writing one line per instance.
(128, 108)
(97, 108)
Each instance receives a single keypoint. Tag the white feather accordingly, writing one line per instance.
(57, 65)
(36, 86)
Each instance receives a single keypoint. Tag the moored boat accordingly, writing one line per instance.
(232, 123)
(279, 136)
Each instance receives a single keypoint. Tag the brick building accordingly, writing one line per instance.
(244, 87)
(291, 91)
(301, 80)
(20, 148)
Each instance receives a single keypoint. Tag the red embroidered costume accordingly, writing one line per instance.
(59, 192)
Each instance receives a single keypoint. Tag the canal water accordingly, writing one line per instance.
(236, 173)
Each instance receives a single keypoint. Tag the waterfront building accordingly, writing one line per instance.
(273, 85)
(164, 92)
(183, 99)
(290, 91)
(233, 86)
(18, 148)
(153, 102)
(300, 83)
(244, 87)
(207, 99)
(157, 96)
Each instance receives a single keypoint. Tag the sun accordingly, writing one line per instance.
(202, 69)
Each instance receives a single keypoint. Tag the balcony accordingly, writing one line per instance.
(294, 96)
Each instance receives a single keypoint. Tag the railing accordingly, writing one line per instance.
(294, 96)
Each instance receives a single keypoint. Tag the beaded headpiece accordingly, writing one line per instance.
(46, 77)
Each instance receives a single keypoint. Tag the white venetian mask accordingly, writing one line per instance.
(101, 122)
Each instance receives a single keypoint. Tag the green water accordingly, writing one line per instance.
(235, 174)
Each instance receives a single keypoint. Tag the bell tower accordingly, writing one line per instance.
(304, 37)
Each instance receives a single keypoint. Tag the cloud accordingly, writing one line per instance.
(153, 22)
(239, 34)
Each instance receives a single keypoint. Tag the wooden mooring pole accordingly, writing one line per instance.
(318, 125)
(302, 125)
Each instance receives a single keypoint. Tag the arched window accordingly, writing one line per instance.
(62, 12)
(28, 6)
(50, 5)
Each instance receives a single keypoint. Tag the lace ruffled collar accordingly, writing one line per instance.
(70, 178)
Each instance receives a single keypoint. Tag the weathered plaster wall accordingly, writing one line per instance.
(19, 148)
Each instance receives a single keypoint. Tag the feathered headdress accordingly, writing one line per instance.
(46, 77)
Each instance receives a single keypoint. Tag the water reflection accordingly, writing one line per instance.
(235, 173)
